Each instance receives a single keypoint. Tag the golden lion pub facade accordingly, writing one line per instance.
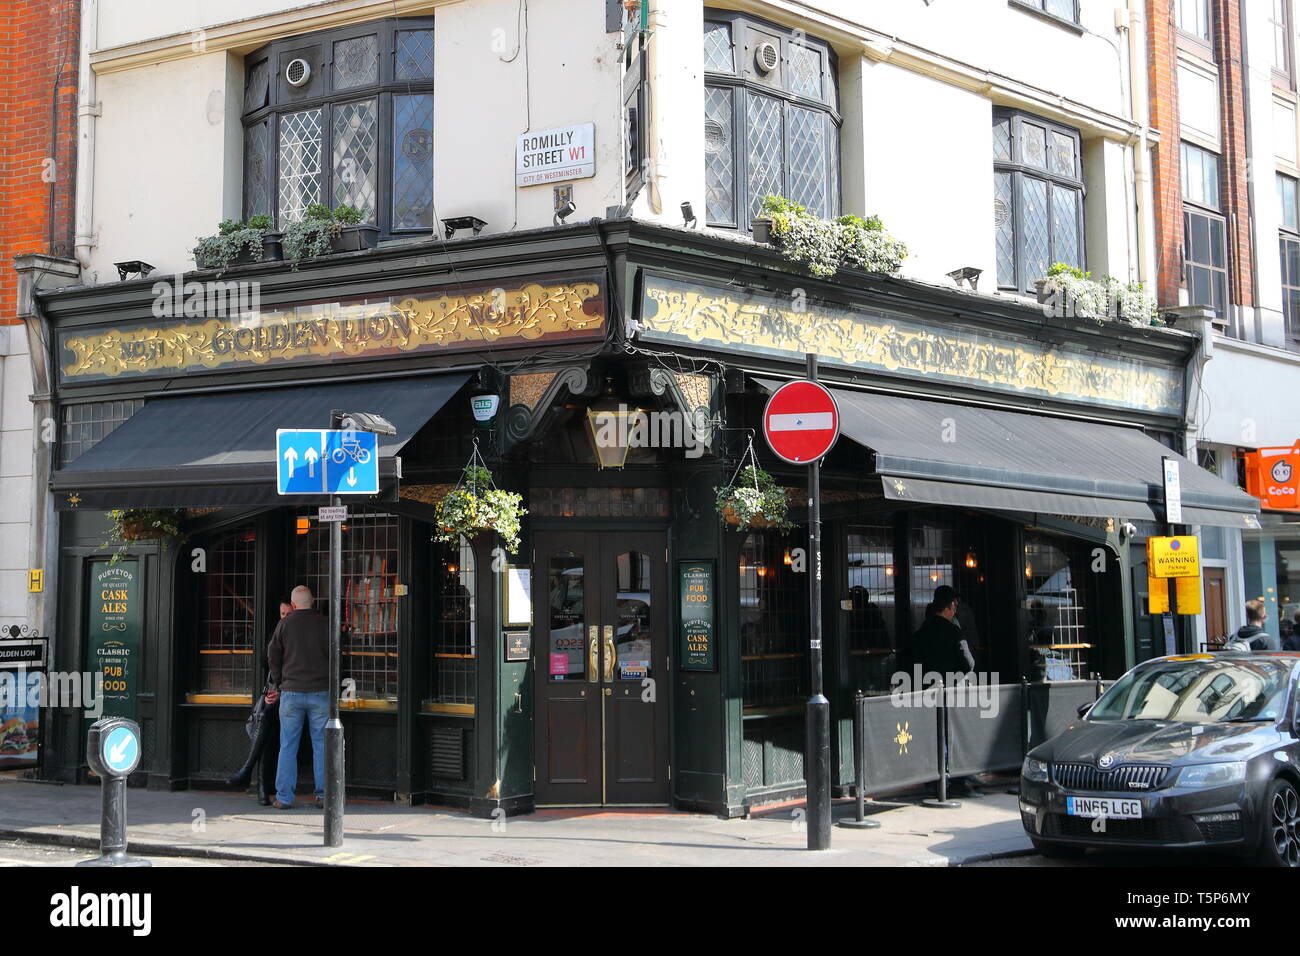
(636, 649)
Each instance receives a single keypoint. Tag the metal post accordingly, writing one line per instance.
(818, 751)
(860, 822)
(941, 726)
(334, 726)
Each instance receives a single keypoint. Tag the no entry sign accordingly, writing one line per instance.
(801, 422)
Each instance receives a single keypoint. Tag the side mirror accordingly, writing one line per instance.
(1083, 709)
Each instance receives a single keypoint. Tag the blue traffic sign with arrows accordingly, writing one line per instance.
(324, 461)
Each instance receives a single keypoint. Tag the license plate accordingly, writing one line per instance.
(1107, 807)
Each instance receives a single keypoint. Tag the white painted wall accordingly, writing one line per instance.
(1248, 396)
(15, 473)
(916, 143)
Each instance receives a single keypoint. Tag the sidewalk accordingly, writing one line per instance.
(234, 827)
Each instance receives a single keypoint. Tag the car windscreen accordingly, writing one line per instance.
(1199, 691)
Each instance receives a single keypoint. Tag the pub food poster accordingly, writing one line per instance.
(695, 586)
(20, 719)
(113, 633)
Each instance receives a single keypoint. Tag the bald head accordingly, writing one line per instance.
(301, 597)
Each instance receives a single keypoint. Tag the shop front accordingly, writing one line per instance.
(636, 649)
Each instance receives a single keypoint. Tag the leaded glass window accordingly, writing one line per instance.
(356, 62)
(1064, 9)
(767, 130)
(1037, 198)
(300, 168)
(357, 131)
(414, 55)
(413, 161)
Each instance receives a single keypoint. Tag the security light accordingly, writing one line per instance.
(969, 273)
(564, 211)
(450, 226)
(135, 267)
(688, 215)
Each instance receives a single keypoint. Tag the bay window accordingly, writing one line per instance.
(771, 120)
(1038, 198)
(343, 117)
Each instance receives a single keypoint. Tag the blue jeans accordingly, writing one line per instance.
(295, 709)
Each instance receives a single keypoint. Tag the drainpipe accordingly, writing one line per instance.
(657, 163)
(88, 108)
(1250, 180)
(1140, 114)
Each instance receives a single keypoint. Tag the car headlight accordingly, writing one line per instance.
(1212, 774)
(1034, 770)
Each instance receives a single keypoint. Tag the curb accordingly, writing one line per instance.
(149, 848)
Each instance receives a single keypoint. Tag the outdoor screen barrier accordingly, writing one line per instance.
(1052, 706)
(901, 743)
(985, 728)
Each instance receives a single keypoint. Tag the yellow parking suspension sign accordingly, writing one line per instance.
(1177, 557)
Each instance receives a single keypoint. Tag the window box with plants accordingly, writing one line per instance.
(236, 244)
(323, 231)
(138, 524)
(1069, 291)
(827, 245)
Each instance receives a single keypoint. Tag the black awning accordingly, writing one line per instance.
(966, 456)
(217, 450)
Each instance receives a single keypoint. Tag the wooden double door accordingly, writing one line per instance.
(600, 604)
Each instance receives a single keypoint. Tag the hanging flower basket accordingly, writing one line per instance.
(476, 504)
(753, 499)
(141, 525)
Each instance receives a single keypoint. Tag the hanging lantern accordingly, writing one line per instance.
(608, 428)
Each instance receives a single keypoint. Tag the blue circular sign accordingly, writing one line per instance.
(121, 750)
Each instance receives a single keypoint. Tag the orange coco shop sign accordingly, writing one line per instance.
(1273, 476)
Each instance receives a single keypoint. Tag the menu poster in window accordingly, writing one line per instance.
(113, 633)
(695, 585)
(519, 596)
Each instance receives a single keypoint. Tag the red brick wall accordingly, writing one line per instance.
(1233, 170)
(1166, 178)
(38, 116)
(1234, 174)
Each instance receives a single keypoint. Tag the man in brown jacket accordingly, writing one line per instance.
(298, 659)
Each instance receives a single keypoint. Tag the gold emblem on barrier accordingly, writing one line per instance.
(903, 737)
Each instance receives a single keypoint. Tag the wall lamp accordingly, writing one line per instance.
(450, 226)
(969, 273)
(564, 211)
(688, 215)
(133, 267)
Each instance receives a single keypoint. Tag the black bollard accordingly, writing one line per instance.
(113, 752)
(859, 768)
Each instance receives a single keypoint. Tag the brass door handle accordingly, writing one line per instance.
(609, 653)
(592, 654)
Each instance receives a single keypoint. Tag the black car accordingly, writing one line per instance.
(1197, 751)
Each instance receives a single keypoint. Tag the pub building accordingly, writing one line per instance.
(637, 649)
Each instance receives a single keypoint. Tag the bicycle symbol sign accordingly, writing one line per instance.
(323, 461)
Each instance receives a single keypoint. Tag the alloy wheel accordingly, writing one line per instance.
(1286, 825)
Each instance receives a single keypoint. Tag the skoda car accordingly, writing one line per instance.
(1199, 751)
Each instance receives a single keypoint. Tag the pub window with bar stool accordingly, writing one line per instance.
(1059, 596)
(455, 638)
(773, 624)
(226, 622)
(371, 573)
